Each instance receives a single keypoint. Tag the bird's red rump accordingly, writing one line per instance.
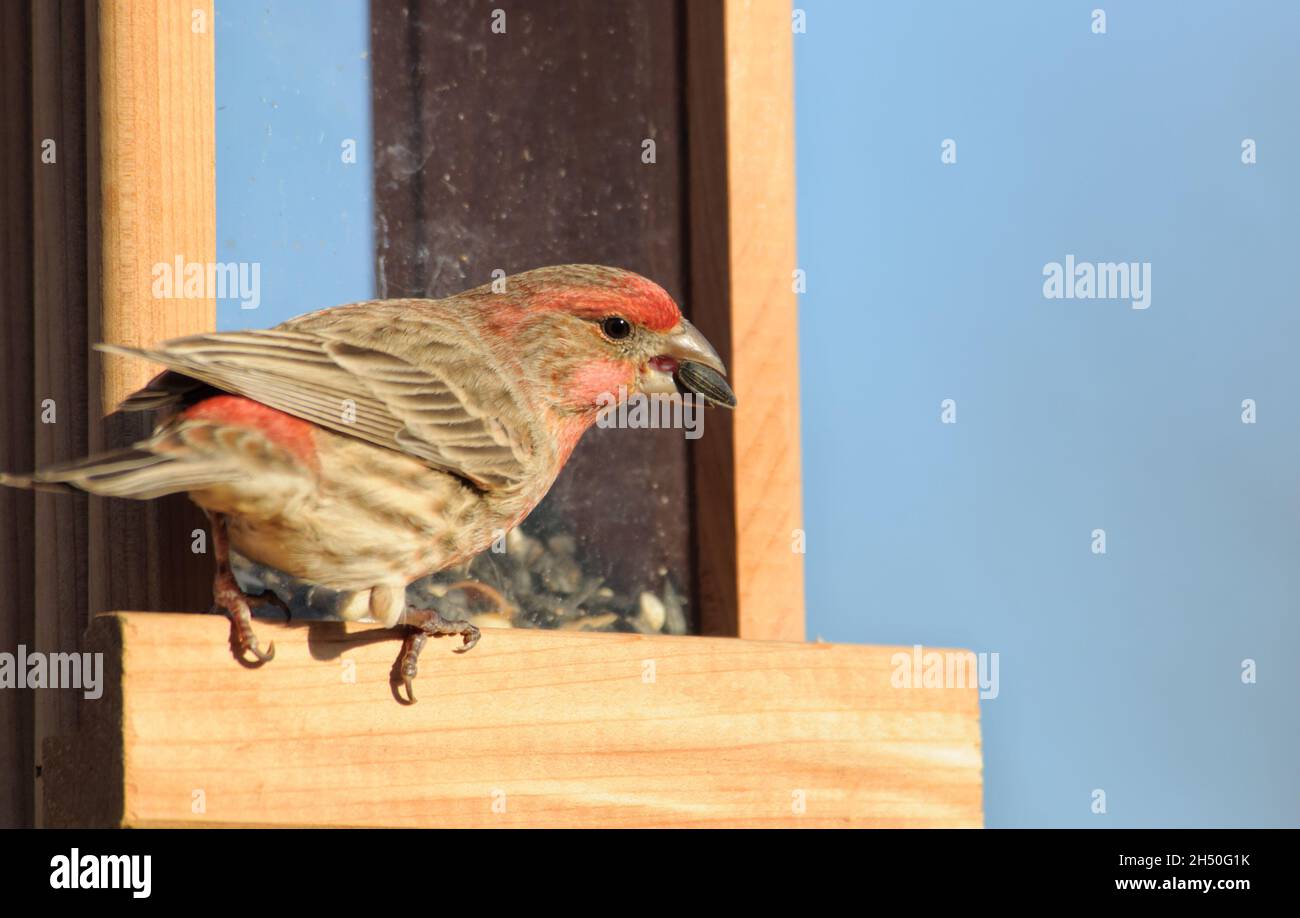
(285, 430)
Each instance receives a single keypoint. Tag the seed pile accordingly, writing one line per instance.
(534, 583)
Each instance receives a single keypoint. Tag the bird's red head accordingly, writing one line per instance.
(593, 334)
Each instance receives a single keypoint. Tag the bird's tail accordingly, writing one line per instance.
(168, 463)
(136, 472)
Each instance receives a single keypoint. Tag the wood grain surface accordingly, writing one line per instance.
(740, 105)
(152, 177)
(60, 349)
(531, 728)
(18, 156)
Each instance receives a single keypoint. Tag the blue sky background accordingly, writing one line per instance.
(1121, 671)
(293, 83)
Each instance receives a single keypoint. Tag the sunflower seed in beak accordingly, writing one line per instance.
(705, 382)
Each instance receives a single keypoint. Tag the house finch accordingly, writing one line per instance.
(365, 446)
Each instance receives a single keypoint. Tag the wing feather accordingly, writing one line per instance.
(399, 401)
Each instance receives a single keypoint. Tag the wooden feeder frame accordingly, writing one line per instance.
(747, 725)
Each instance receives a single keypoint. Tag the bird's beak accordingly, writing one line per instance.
(686, 343)
(688, 364)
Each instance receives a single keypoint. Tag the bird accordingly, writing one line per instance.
(364, 446)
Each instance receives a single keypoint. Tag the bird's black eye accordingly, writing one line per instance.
(616, 327)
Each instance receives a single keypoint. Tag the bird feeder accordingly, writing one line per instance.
(653, 135)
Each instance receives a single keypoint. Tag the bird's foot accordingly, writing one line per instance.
(423, 624)
(227, 595)
(237, 604)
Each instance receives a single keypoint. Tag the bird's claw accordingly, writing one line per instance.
(263, 656)
(426, 623)
(409, 664)
(245, 641)
(471, 635)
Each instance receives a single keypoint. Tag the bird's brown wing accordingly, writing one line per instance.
(455, 411)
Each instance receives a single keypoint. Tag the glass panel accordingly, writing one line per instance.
(491, 150)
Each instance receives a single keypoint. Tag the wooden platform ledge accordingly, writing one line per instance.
(531, 728)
